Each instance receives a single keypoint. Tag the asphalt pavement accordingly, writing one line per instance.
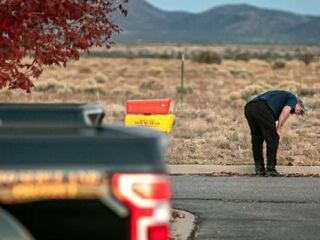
(197, 169)
(245, 208)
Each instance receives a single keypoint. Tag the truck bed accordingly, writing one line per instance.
(110, 148)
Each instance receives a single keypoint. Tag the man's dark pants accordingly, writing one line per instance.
(263, 128)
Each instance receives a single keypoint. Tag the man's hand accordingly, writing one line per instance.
(282, 119)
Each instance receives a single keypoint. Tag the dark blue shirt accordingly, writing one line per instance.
(277, 100)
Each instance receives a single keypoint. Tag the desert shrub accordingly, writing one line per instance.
(308, 91)
(208, 57)
(85, 70)
(222, 142)
(161, 55)
(184, 90)
(100, 78)
(306, 58)
(190, 128)
(269, 55)
(313, 103)
(235, 72)
(279, 64)
(7, 93)
(228, 53)
(156, 71)
(50, 86)
(129, 54)
(67, 89)
(250, 91)
(288, 56)
(289, 85)
(233, 137)
(151, 85)
(287, 139)
(266, 55)
(167, 55)
(92, 90)
(239, 73)
(130, 92)
(110, 54)
(242, 56)
(300, 89)
(233, 96)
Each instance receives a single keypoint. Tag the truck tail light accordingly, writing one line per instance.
(158, 232)
(148, 198)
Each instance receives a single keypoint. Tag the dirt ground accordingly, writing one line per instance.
(210, 127)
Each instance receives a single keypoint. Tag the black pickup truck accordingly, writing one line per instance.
(51, 113)
(82, 182)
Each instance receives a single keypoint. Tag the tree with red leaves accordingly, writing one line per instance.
(35, 33)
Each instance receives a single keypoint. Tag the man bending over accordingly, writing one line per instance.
(262, 113)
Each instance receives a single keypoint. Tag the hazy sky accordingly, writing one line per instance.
(310, 7)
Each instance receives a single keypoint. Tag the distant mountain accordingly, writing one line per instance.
(226, 24)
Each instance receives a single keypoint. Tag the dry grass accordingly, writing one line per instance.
(210, 127)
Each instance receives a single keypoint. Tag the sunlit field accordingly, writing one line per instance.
(210, 127)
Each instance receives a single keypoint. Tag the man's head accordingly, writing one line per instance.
(300, 108)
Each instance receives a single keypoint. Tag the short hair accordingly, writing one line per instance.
(303, 108)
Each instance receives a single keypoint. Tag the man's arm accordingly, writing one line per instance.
(283, 118)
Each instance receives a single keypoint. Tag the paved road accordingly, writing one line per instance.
(246, 208)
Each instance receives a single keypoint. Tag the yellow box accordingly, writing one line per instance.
(160, 122)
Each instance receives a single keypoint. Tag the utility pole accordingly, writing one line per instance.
(182, 78)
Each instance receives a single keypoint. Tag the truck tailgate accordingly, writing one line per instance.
(111, 148)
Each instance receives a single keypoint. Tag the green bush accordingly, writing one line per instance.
(151, 85)
(307, 58)
(207, 57)
(243, 56)
(251, 91)
(100, 78)
(279, 64)
(51, 86)
(184, 90)
(93, 90)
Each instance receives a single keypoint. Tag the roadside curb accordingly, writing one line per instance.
(183, 225)
(240, 170)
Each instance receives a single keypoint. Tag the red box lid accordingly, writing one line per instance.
(149, 106)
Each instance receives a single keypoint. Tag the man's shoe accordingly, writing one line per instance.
(260, 172)
(273, 173)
